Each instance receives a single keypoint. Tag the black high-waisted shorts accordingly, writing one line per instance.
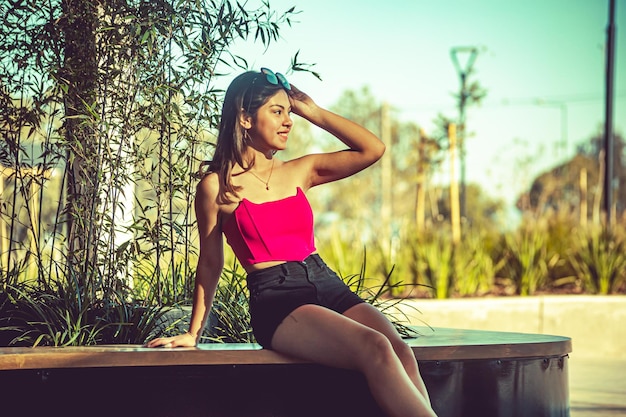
(278, 290)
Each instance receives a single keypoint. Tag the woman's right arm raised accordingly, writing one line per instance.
(210, 264)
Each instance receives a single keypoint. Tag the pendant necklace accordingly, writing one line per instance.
(267, 183)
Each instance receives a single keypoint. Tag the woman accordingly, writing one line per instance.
(298, 306)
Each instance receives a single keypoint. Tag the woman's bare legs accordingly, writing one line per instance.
(371, 317)
(323, 336)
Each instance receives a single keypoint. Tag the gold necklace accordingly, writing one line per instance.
(267, 183)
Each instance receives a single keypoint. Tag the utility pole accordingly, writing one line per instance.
(464, 94)
(608, 117)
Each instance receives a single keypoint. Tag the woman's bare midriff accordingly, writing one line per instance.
(263, 265)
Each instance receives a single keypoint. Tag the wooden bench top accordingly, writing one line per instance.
(438, 344)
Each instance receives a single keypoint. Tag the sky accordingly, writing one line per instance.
(542, 63)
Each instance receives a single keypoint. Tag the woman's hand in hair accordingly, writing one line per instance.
(302, 104)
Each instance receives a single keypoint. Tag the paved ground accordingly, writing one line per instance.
(597, 364)
(597, 387)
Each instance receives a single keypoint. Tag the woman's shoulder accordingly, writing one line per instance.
(209, 193)
(208, 182)
(208, 187)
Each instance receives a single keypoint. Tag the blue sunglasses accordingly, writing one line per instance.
(272, 78)
(276, 78)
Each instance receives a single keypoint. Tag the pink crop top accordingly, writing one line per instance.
(280, 230)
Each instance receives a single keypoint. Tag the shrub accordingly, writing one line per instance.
(598, 256)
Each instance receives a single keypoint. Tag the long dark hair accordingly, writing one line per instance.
(246, 93)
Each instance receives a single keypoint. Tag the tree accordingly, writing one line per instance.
(79, 77)
(595, 149)
(361, 198)
(356, 201)
(483, 211)
(577, 184)
(116, 92)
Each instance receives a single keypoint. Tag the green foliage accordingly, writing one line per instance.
(428, 263)
(560, 225)
(339, 250)
(129, 108)
(527, 258)
(67, 316)
(230, 317)
(103, 103)
(45, 318)
(474, 267)
(435, 264)
(598, 257)
(380, 296)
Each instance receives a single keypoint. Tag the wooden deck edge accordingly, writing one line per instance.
(439, 345)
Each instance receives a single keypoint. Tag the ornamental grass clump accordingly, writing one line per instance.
(526, 258)
(598, 258)
(474, 268)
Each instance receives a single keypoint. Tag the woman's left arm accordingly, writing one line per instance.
(364, 148)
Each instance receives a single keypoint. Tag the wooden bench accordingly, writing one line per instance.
(467, 372)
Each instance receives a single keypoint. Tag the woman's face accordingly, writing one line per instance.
(272, 123)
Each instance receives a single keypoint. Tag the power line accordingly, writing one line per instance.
(522, 101)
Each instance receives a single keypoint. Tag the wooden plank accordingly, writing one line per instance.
(134, 355)
(432, 344)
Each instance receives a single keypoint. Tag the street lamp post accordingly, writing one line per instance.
(464, 94)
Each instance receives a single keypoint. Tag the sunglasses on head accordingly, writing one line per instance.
(276, 78)
(272, 78)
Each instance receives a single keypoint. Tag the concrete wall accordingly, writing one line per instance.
(596, 324)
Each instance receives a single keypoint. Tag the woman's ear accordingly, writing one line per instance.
(245, 120)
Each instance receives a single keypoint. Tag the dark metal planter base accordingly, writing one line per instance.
(118, 381)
